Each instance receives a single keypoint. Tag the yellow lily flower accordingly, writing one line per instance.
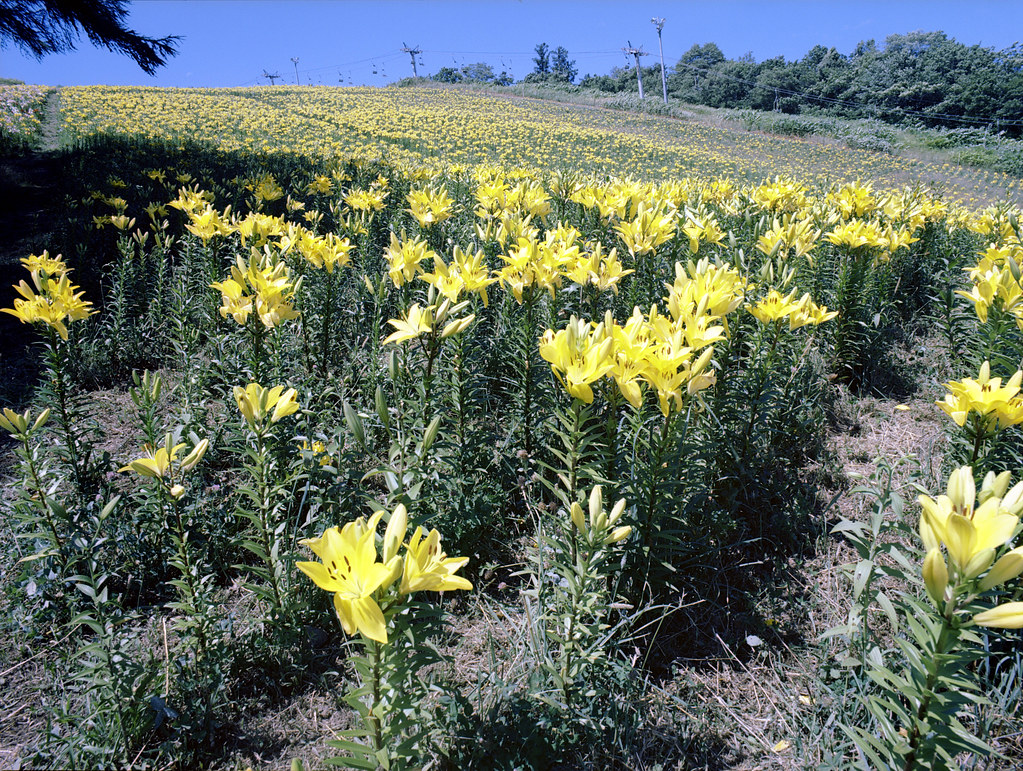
(775, 307)
(998, 405)
(52, 302)
(579, 355)
(255, 403)
(350, 570)
(428, 569)
(971, 533)
(418, 321)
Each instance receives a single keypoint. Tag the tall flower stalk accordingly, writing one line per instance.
(372, 580)
(261, 409)
(53, 302)
(964, 532)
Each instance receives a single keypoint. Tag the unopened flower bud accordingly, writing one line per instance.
(192, 459)
(616, 513)
(979, 563)
(619, 534)
(395, 533)
(1007, 568)
(395, 567)
(1006, 616)
(935, 576)
(961, 488)
(597, 517)
(577, 517)
(1012, 501)
(41, 420)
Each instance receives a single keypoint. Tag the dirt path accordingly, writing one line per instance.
(29, 209)
(28, 193)
(50, 131)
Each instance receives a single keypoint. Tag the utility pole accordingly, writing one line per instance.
(271, 78)
(637, 52)
(294, 60)
(659, 23)
(413, 53)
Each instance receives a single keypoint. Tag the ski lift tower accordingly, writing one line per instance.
(659, 23)
(637, 52)
(413, 53)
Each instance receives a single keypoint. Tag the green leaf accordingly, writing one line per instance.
(889, 610)
(860, 577)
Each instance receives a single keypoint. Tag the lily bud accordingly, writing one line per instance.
(1006, 616)
(41, 420)
(619, 534)
(1013, 500)
(177, 492)
(577, 518)
(935, 576)
(457, 326)
(1007, 568)
(979, 563)
(395, 567)
(994, 486)
(393, 371)
(13, 422)
(395, 533)
(244, 402)
(961, 488)
(616, 513)
(598, 519)
(193, 458)
(380, 402)
(431, 433)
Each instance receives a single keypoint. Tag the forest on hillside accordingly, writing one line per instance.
(923, 78)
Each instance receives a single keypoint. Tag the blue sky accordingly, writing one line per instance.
(232, 42)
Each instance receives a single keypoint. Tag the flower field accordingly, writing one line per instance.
(19, 112)
(442, 127)
(480, 443)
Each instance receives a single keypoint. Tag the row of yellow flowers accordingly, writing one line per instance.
(430, 125)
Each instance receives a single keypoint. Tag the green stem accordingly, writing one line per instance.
(376, 730)
(265, 508)
(432, 349)
(944, 641)
(191, 593)
(326, 313)
(762, 379)
(566, 664)
(979, 436)
(41, 491)
(611, 428)
(527, 405)
(655, 478)
(573, 470)
(58, 377)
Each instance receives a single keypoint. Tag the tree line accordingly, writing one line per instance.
(919, 78)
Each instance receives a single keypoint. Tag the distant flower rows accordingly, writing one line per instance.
(434, 127)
